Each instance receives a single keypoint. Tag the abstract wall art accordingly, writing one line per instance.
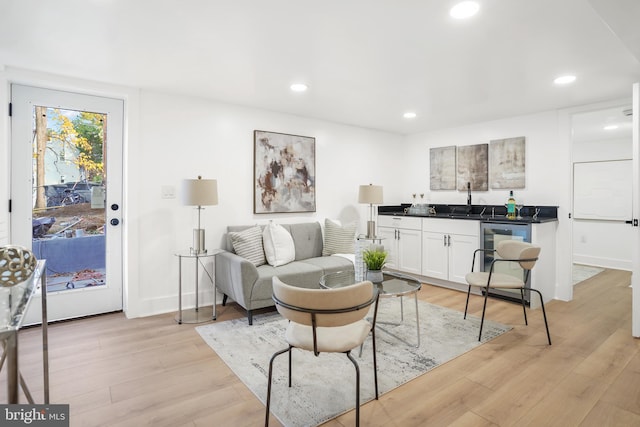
(284, 173)
(473, 167)
(507, 163)
(442, 168)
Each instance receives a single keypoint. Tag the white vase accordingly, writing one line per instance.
(375, 276)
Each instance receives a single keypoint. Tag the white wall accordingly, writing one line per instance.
(182, 137)
(547, 174)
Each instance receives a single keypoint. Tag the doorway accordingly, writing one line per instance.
(66, 192)
(602, 189)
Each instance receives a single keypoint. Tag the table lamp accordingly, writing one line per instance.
(371, 194)
(199, 192)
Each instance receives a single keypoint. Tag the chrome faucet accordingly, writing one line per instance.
(468, 198)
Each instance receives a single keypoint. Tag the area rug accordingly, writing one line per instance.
(324, 386)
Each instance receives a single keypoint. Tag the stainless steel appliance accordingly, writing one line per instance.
(491, 234)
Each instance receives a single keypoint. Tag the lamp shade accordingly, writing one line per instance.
(371, 194)
(199, 192)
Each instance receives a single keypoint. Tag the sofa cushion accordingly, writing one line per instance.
(307, 238)
(295, 273)
(278, 245)
(338, 239)
(248, 245)
(331, 264)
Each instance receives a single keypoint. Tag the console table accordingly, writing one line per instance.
(14, 302)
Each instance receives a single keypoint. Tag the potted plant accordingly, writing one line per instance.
(374, 259)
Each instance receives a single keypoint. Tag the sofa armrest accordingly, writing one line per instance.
(235, 277)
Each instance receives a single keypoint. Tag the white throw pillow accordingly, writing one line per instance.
(248, 245)
(278, 245)
(338, 239)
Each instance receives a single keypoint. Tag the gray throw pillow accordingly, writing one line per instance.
(248, 245)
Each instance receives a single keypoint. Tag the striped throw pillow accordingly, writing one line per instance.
(248, 245)
(338, 239)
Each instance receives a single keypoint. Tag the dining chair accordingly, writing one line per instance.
(508, 251)
(326, 321)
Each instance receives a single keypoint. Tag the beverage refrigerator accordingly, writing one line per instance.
(491, 234)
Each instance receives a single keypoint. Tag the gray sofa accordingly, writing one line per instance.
(250, 286)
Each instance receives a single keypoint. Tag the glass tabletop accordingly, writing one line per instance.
(15, 300)
(393, 284)
(189, 254)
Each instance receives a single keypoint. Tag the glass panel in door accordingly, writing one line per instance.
(69, 188)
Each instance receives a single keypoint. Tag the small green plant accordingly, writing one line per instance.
(374, 259)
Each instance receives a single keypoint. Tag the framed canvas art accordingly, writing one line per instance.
(473, 166)
(442, 168)
(284, 173)
(507, 161)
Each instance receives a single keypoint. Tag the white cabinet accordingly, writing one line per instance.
(447, 248)
(402, 239)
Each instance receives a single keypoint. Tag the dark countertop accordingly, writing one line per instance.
(476, 213)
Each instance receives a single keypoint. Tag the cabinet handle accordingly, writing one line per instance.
(448, 239)
(445, 240)
(398, 231)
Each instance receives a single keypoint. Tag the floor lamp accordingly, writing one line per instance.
(371, 194)
(199, 192)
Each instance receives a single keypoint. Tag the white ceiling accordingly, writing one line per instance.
(366, 61)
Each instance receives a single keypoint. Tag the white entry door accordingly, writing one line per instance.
(66, 196)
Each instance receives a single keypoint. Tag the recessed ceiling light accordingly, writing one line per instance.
(299, 87)
(465, 9)
(409, 115)
(563, 80)
(610, 127)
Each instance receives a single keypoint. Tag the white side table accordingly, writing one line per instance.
(197, 314)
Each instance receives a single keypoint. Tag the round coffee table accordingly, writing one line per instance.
(393, 285)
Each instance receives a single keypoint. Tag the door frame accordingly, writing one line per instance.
(635, 252)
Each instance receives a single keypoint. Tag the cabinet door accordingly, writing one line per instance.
(434, 255)
(461, 256)
(409, 251)
(390, 245)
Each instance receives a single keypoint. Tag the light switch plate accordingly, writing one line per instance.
(168, 192)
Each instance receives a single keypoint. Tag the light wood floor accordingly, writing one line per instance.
(153, 372)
